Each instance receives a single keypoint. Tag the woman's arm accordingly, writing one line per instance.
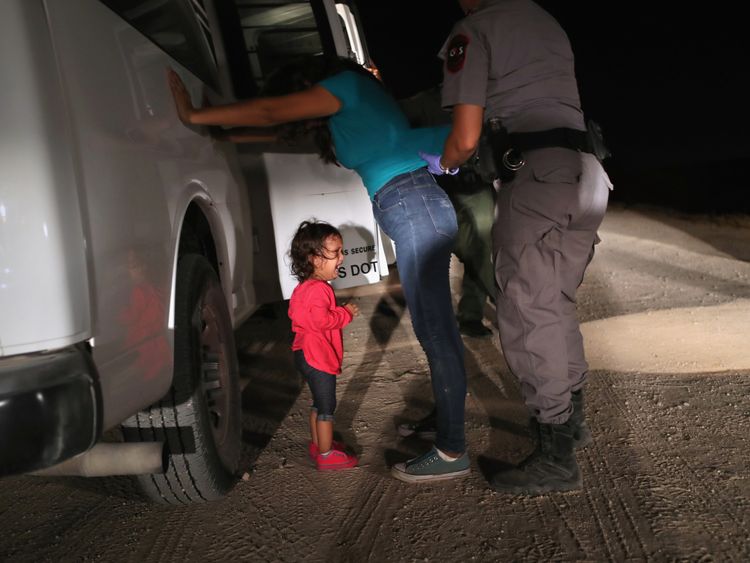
(245, 135)
(259, 112)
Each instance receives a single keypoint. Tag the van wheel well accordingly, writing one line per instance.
(200, 417)
(196, 237)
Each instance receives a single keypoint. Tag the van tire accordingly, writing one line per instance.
(200, 418)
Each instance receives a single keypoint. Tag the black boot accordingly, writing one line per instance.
(474, 328)
(581, 432)
(550, 468)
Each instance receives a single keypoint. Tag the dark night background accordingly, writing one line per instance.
(666, 82)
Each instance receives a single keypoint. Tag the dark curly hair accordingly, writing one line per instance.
(309, 241)
(300, 75)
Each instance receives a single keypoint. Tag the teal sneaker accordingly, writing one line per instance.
(431, 467)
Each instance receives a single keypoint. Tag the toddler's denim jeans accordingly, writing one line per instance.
(322, 385)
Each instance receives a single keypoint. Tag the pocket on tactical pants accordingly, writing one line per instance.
(557, 166)
(505, 268)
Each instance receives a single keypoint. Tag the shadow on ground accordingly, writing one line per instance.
(271, 384)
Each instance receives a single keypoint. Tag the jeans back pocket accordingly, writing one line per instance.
(442, 214)
(387, 198)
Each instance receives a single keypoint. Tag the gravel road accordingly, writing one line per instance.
(665, 308)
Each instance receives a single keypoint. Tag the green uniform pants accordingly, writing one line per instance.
(474, 202)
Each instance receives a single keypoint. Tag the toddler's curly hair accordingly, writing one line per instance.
(309, 241)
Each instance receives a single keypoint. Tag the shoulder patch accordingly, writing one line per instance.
(456, 55)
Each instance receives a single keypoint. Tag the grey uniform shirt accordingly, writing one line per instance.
(512, 58)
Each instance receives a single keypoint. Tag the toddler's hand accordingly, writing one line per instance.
(352, 308)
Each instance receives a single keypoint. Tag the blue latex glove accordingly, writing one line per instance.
(433, 164)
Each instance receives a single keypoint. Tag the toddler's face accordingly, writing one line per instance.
(326, 266)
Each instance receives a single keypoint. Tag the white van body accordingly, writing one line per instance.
(104, 193)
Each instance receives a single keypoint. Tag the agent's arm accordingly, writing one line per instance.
(464, 136)
(259, 112)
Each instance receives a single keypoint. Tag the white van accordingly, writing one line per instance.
(131, 245)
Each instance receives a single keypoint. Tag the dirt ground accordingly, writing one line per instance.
(665, 308)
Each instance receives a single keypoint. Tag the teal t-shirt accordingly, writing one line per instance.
(372, 136)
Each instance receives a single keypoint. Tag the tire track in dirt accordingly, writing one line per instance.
(373, 508)
(667, 470)
(630, 525)
(85, 520)
(615, 521)
(562, 513)
(79, 506)
(549, 546)
(169, 543)
(684, 466)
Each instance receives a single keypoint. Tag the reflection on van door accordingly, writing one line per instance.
(302, 188)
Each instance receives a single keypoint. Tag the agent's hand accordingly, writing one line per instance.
(352, 308)
(433, 164)
(181, 96)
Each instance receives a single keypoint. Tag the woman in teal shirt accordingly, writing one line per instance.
(359, 125)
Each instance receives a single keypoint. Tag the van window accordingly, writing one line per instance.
(277, 32)
(178, 27)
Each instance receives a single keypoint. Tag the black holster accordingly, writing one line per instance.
(496, 157)
(500, 154)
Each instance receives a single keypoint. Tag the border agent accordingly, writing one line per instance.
(508, 63)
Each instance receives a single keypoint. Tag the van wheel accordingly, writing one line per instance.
(200, 417)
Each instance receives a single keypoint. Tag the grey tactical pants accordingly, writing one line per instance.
(544, 233)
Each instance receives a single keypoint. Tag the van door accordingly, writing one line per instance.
(300, 186)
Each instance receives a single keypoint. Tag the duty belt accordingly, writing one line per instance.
(501, 154)
(560, 137)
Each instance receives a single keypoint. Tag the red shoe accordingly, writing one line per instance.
(313, 450)
(335, 461)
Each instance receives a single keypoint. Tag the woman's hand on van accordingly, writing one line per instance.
(182, 101)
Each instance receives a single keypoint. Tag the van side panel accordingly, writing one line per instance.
(43, 279)
(139, 169)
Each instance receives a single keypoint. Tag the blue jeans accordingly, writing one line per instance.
(322, 386)
(418, 216)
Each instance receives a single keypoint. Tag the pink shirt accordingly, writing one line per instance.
(317, 322)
